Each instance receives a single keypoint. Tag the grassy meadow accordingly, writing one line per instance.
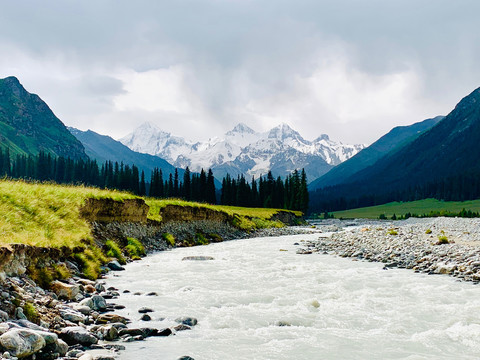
(48, 214)
(414, 207)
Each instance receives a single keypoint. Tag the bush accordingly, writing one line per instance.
(169, 238)
(392, 232)
(43, 277)
(442, 240)
(200, 239)
(113, 251)
(31, 312)
(90, 261)
(429, 231)
(382, 217)
(135, 249)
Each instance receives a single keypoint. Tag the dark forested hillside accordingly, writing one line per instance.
(443, 162)
(392, 141)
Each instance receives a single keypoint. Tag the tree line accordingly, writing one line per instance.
(460, 187)
(290, 193)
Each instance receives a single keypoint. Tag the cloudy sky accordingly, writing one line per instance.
(350, 68)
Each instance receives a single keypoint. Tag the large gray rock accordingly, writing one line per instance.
(22, 342)
(77, 335)
(99, 303)
(65, 291)
(115, 266)
(72, 315)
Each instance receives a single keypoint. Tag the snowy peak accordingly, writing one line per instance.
(240, 128)
(243, 150)
(283, 132)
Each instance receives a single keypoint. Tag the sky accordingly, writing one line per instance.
(351, 69)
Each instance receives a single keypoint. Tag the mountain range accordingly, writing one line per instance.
(244, 151)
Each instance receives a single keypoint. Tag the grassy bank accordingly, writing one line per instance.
(49, 215)
(419, 207)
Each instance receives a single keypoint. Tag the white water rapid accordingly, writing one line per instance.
(335, 308)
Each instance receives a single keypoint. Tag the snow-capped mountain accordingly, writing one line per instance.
(244, 151)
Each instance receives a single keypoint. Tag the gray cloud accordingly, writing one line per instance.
(352, 69)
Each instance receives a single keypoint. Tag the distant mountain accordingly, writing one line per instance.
(28, 126)
(103, 148)
(244, 151)
(392, 141)
(442, 162)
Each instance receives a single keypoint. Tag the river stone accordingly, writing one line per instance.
(86, 356)
(115, 266)
(130, 332)
(186, 358)
(99, 303)
(144, 310)
(164, 332)
(3, 316)
(201, 258)
(77, 335)
(72, 315)
(61, 347)
(111, 318)
(19, 314)
(190, 321)
(109, 332)
(146, 317)
(22, 342)
(182, 327)
(85, 310)
(99, 287)
(65, 291)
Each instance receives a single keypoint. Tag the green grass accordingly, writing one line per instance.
(414, 207)
(46, 215)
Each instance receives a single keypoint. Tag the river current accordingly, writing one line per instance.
(258, 299)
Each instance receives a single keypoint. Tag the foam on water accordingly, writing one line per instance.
(330, 308)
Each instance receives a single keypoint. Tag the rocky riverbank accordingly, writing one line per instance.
(448, 246)
(73, 318)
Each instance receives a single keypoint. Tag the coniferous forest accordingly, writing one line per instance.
(291, 193)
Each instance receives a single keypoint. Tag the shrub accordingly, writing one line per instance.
(113, 251)
(135, 249)
(429, 231)
(200, 239)
(31, 312)
(169, 238)
(42, 276)
(215, 237)
(392, 232)
(442, 239)
(90, 261)
(382, 217)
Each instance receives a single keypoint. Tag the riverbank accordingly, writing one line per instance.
(74, 318)
(448, 246)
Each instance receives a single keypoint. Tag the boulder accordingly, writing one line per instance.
(98, 303)
(109, 332)
(144, 310)
(145, 317)
(115, 266)
(22, 342)
(73, 335)
(187, 321)
(111, 318)
(72, 315)
(65, 291)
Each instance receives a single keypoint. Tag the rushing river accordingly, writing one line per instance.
(335, 308)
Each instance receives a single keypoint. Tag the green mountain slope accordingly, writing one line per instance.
(28, 126)
(392, 141)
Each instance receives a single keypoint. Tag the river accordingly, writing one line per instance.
(258, 299)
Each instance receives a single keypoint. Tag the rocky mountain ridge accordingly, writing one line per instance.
(244, 151)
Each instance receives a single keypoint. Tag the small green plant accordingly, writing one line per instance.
(429, 231)
(200, 239)
(393, 232)
(31, 312)
(169, 238)
(113, 251)
(442, 240)
(61, 271)
(90, 261)
(42, 276)
(215, 237)
(135, 249)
